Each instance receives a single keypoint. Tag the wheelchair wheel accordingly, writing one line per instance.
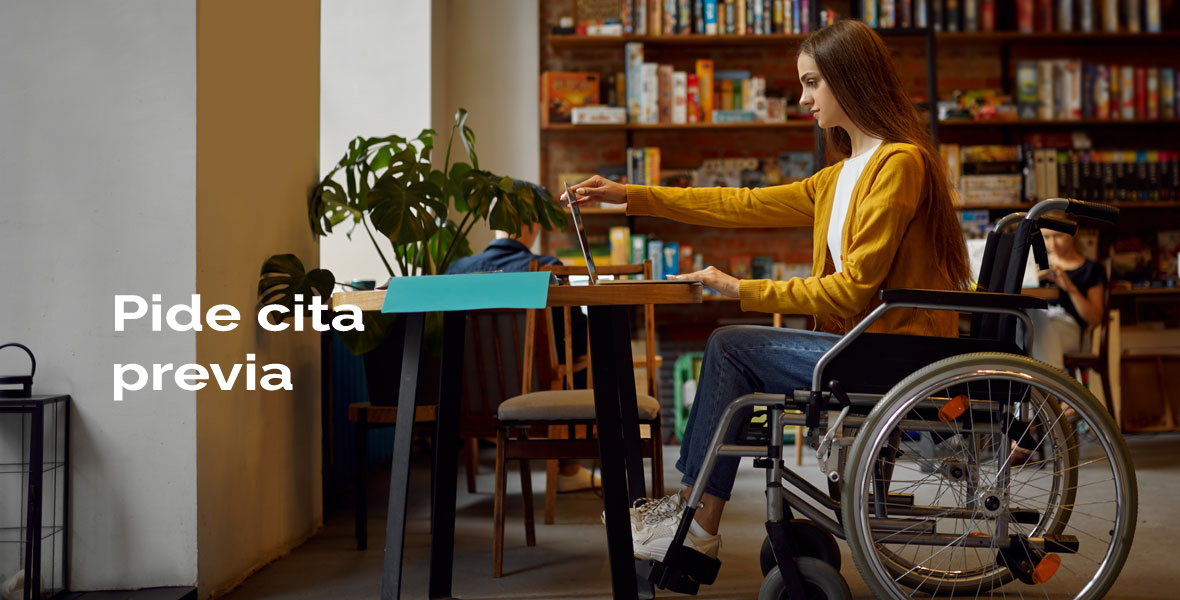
(820, 582)
(980, 513)
(810, 540)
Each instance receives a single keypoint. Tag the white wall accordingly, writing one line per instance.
(486, 61)
(401, 67)
(374, 81)
(98, 131)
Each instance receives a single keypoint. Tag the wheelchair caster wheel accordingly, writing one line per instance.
(810, 540)
(820, 582)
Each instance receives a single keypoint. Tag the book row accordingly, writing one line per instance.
(713, 17)
(1026, 16)
(1072, 89)
(1015, 174)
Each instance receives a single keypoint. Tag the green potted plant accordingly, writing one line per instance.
(388, 186)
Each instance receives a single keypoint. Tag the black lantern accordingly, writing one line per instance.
(34, 486)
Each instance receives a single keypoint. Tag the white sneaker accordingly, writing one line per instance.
(644, 505)
(654, 524)
(12, 588)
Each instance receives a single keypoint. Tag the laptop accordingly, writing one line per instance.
(580, 230)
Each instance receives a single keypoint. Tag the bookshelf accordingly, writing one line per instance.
(935, 62)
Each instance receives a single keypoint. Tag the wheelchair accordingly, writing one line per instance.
(955, 467)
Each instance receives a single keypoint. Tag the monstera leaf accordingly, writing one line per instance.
(283, 277)
(388, 187)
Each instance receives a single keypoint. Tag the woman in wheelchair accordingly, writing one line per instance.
(882, 218)
(918, 425)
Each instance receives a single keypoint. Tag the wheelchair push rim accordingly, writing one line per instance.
(988, 515)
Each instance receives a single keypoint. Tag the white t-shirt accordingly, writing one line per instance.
(849, 174)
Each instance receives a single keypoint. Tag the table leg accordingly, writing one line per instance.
(361, 483)
(609, 333)
(628, 404)
(395, 526)
(446, 458)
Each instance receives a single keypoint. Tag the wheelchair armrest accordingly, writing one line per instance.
(963, 300)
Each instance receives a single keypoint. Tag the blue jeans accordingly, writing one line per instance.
(739, 360)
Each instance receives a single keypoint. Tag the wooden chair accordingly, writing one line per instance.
(1076, 362)
(570, 410)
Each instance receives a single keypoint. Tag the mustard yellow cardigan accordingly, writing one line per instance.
(886, 241)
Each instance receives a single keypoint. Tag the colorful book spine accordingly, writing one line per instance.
(1167, 93)
(805, 16)
(739, 17)
(692, 98)
(655, 253)
(987, 15)
(905, 13)
(711, 17)
(1101, 92)
(1110, 16)
(1151, 16)
(730, 24)
(888, 11)
(628, 17)
(1024, 16)
(1026, 89)
(953, 15)
(921, 12)
(1045, 90)
(634, 56)
(1045, 16)
(664, 74)
(1065, 15)
(1116, 77)
(1087, 91)
(670, 259)
(679, 97)
(620, 245)
(1153, 93)
(705, 88)
(1131, 12)
(1086, 16)
(797, 16)
(638, 248)
(970, 15)
(1127, 92)
(650, 99)
(1072, 87)
(655, 17)
(1140, 92)
(640, 17)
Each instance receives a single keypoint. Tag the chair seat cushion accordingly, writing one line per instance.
(565, 405)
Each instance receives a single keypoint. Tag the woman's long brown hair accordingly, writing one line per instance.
(854, 61)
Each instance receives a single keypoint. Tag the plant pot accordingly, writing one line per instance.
(383, 370)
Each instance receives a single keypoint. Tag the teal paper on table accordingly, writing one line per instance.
(469, 291)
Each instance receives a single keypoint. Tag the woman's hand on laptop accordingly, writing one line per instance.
(724, 283)
(598, 189)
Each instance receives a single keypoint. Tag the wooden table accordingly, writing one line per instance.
(614, 408)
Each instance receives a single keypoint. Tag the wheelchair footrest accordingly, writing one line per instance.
(683, 570)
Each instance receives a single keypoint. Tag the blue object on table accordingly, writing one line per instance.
(469, 291)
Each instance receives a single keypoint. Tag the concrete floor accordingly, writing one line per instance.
(569, 560)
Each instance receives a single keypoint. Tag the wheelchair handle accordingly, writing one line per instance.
(1078, 208)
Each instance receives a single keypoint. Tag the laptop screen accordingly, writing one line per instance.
(580, 230)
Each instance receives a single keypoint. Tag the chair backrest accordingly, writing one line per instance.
(565, 370)
(499, 356)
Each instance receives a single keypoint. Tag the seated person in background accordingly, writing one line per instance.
(511, 254)
(1081, 283)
